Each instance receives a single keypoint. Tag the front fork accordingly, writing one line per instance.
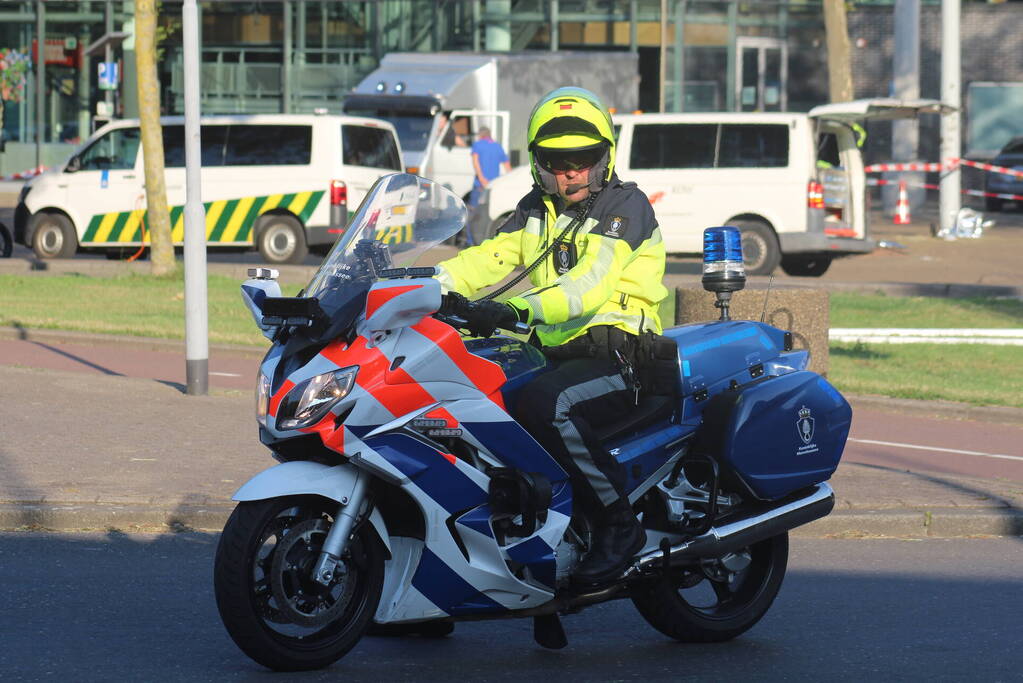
(337, 537)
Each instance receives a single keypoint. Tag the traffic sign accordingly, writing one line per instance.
(108, 75)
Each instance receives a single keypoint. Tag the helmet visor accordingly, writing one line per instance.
(561, 160)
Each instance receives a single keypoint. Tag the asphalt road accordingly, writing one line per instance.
(100, 607)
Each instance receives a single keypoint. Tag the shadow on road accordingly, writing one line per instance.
(140, 607)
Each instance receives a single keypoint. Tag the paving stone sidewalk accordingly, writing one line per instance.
(87, 452)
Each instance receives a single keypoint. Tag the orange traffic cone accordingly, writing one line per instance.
(902, 206)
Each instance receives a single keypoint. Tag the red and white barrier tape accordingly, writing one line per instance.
(908, 166)
(876, 182)
(991, 167)
(948, 165)
(24, 175)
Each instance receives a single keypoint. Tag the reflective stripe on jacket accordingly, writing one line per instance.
(618, 271)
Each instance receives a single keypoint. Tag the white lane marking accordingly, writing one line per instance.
(225, 374)
(941, 450)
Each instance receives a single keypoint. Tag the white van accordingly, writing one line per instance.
(792, 182)
(281, 183)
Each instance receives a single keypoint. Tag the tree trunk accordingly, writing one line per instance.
(161, 250)
(839, 70)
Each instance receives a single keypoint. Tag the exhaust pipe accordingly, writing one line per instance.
(741, 532)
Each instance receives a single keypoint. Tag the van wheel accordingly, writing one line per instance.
(805, 266)
(282, 240)
(760, 251)
(993, 203)
(53, 236)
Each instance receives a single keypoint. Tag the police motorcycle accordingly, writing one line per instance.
(407, 494)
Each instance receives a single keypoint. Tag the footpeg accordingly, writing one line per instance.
(548, 632)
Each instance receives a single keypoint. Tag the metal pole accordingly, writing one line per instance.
(949, 201)
(196, 315)
(108, 53)
(286, 61)
(555, 23)
(906, 71)
(40, 77)
(475, 25)
(730, 58)
(680, 57)
(664, 53)
(633, 30)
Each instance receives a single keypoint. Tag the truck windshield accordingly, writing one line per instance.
(413, 128)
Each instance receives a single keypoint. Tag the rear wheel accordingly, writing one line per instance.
(805, 266)
(53, 236)
(760, 251)
(281, 239)
(715, 600)
(993, 203)
(271, 607)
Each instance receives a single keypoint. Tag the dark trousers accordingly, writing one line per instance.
(559, 408)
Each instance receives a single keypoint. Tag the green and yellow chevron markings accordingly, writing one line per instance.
(228, 221)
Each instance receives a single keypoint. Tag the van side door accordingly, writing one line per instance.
(105, 190)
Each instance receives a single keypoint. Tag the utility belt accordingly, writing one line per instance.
(648, 362)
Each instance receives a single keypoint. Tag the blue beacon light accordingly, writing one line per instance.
(723, 271)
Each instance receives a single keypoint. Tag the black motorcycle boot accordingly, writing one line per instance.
(615, 542)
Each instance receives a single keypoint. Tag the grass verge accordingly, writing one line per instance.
(134, 305)
(970, 373)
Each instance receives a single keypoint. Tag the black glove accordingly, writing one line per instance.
(454, 304)
(486, 316)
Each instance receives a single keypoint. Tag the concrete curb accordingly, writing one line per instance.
(922, 523)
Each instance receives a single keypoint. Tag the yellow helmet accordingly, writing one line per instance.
(566, 124)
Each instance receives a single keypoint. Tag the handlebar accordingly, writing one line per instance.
(457, 311)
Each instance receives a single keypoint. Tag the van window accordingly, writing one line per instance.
(115, 151)
(174, 146)
(753, 146)
(212, 145)
(373, 147)
(273, 145)
(673, 145)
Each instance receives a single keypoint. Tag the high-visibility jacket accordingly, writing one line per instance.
(611, 266)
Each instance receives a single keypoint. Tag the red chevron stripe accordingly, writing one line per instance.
(486, 376)
(379, 297)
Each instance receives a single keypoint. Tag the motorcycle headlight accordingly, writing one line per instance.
(262, 397)
(310, 400)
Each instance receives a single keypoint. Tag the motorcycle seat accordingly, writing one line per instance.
(651, 410)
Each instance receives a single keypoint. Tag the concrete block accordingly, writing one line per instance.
(803, 311)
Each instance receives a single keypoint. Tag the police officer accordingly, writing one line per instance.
(592, 250)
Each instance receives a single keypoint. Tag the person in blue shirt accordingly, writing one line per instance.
(488, 160)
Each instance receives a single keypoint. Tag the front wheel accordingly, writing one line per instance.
(270, 605)
(716, 600)
(53, 236)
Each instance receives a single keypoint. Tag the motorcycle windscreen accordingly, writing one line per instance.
(402, 217)
(785, 433)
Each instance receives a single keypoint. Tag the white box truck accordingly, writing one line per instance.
(437, 102)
